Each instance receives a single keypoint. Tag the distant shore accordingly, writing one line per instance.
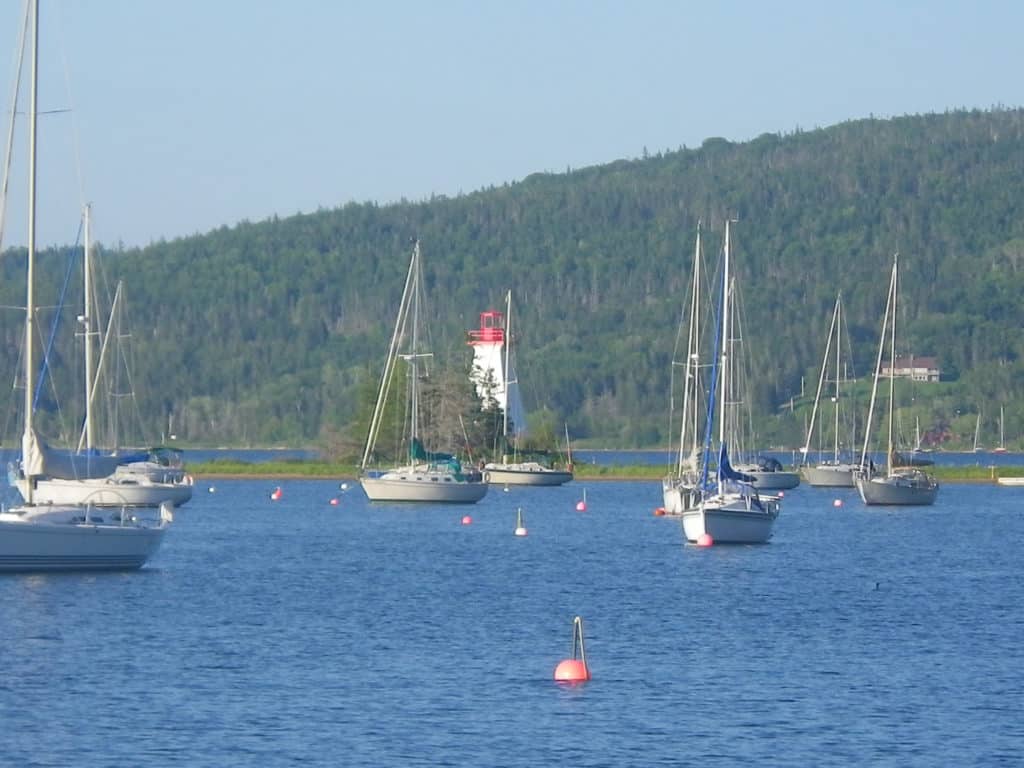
(301, 469)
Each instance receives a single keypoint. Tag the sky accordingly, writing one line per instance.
(176, 118)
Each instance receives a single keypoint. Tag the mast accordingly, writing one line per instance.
(878, 370)
(722, 406)
(29, 446)
(839, 325)
(87, 323)
(821, 382)
(389, 365)
(892, 360)
(413, 364)
(692, 362)
(504, 370)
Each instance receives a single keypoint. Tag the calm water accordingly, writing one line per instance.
(300, 633)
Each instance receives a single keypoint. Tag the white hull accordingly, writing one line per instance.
(58, 539)
(409, 485)
(1011, 481)
(731, 520)
(829, 476)
(114, 491)
(529, 473)
(899, 489)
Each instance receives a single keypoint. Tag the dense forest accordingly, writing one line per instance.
(275, 332)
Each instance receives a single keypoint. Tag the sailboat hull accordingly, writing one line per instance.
(525, 474)
(30, 546)
(434, 487)
(726, 526)
(114, 491)
(829, 476)
(899, 489)
(773, 481)
(735, 519)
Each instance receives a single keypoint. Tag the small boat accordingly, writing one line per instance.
(1011, 481)
(426, 476)
(899, 485)
(50, 537)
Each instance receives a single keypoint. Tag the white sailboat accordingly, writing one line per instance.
(515, 471)
(132, 480)
(426, 477)
(899, 485)
(1002, 437)
(831, 472)
(42, 537)
(679, 489)
(730, 511)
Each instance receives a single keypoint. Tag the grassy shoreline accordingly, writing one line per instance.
(296, 469)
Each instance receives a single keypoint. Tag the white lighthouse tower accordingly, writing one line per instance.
(493, 369)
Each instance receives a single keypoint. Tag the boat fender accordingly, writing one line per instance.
(487, 477)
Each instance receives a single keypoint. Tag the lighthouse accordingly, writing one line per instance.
(493, 368)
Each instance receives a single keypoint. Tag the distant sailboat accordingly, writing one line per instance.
(898, 485)
(1002, 436)
(829, 472)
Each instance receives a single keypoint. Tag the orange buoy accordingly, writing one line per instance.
(574, 670)
(659, 511)
(334, 502)
(277, 494)
(705, 540)
(466, 519)
(520, 528)
(837, 503)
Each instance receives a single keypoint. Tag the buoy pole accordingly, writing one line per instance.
(574, 669)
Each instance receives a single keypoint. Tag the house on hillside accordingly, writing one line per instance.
(914, 368)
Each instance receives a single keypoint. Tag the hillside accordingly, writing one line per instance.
(269, 332)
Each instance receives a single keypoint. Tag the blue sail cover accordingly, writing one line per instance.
(725, 470)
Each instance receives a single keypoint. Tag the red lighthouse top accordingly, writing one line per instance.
(492, 328)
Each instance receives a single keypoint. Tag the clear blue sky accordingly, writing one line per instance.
(192, 114)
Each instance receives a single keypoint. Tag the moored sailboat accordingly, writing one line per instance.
(43, 537)
(426, 476)
(729, 510)
(898, 485)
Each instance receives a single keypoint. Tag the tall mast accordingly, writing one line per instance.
(414, 372)
(839, 343)
(87, 322)
(892, 358)
(508, 343)
(28, 440)
(723, 406)
(692, 361)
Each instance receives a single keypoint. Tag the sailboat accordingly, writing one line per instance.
(132, 479)
(899, 485)
(1002, 444)
(426, 476)
(44, 537)
(831, 472)
(730, 510)
(511, 470)
(679, 489)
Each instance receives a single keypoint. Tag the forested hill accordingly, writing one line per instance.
(268, 332)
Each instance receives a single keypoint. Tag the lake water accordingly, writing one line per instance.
(300, 633)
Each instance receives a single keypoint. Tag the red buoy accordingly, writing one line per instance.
(837, 503)
(466, 519)
(581, 506)
(705, 540)
(659, 511)
(574, 670)
(334, 502)
(277, 494)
